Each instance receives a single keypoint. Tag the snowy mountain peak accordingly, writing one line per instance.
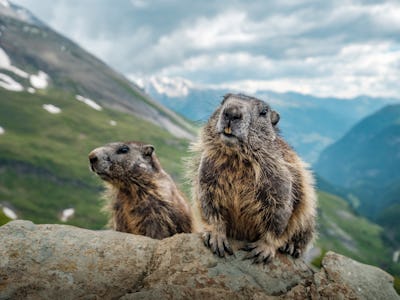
(11, 10)
(170, 86)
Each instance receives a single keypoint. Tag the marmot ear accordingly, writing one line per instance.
(274, 118)
(148, 150)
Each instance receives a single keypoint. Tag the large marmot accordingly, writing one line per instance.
(249, 184)
(144, 198)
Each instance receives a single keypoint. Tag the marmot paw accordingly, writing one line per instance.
(260, 252)
(291, 249)
(218, 243)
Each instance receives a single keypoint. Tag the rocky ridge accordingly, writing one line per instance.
(53, 261)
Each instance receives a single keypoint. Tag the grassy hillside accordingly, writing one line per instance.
(343, 231)
(43, 156)
(34, 46)
(3, 218)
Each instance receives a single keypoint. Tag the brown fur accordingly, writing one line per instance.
(249, 184)
(143, 197)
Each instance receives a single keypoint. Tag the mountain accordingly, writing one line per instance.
(309, 123)
(366, 162)
(342, 230)
(33, 55)
(57, 103)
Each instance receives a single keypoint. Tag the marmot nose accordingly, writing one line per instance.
(93, 158)
(232, 113)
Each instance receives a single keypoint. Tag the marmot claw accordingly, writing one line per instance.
(218, 243)
(259, 252)
(291, 249)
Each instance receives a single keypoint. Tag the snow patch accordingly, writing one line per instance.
(5, 63)
(9, 213)
(39, 81)
(396, 255)
(88, 102)
(2, 131)
(51, 108)
(18, 72)
(31, 90)
(10, 84)
(113, 123)
(67, 214)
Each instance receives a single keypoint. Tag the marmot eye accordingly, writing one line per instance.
(264, 111)
(123, 149)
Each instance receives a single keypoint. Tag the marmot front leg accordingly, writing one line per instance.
(216, 240)
(215, 235)
(276, 218)
(211, 212)
(263, 250)
(297, 246)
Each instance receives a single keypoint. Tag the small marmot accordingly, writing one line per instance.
(249, 183)
(144, 198)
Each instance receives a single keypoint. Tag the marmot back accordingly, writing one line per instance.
(249, 184)
(143, 197)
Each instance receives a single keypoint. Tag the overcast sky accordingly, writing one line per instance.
(327, 48)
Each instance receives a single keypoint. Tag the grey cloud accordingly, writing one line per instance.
(153, 37)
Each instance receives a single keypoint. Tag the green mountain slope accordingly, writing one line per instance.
(366, 161)
(43, 156)
(341, 230)
(33, 47)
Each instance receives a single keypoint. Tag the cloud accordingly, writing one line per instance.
(327, 48)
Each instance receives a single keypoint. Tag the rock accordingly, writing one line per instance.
(60, 261)
(364, 281)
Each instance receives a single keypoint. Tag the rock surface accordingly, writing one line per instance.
(60, 261)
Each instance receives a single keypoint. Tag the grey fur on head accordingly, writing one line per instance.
(244, 119)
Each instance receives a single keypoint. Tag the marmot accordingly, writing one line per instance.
(144, 198)
(249, 183)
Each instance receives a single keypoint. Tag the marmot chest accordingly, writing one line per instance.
(236, 189)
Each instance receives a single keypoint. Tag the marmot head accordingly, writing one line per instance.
(128, 162)
(241, 119)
